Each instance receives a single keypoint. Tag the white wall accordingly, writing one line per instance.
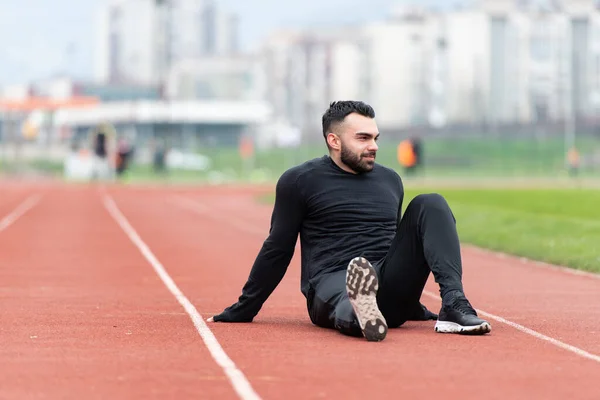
(101, 45)
(391, 72)
(186, 29)
(137, 35)
(347, 62)
(467, 37)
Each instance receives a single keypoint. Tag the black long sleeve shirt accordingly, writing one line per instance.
(338, 215)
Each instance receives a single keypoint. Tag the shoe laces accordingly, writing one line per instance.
(462, 304)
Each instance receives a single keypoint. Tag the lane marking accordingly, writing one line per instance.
(239, 382)
(534, 263)
(524, 329)
(18, 212)
(209, 212)
(206, 211)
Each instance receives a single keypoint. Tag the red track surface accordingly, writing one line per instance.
(84, 314)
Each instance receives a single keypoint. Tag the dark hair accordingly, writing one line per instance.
(339, 110)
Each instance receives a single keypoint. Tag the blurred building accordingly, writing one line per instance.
(236, 77)
(401, 61)
(186, 33)
(139, 41)
(218, 30)
(515, 61)
(496, 62)
(393, 64)
(126, 47)
(305, 71)
(15, 92)
(545, 62)
(64, 87)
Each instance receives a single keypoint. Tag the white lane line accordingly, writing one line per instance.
(239, 382)
(204, 210)
(209, 212)
(18, 212)
(524, 329)
(535, 263)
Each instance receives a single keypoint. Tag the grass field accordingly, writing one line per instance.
(477, 157)
(443, 157)
(559, 226)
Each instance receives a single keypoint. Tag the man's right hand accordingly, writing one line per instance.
(232, 314)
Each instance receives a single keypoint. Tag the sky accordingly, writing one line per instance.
(40, 38)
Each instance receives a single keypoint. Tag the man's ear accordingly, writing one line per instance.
(333, 141)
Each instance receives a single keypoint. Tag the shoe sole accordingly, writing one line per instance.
(453, 327)
(362, 285)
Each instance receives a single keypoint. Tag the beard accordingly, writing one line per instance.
(357, 162)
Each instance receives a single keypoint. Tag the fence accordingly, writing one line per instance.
(458, 151)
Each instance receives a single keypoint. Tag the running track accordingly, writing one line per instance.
(104, 293)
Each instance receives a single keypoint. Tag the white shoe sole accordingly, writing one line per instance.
(453, 327)
(362, 285)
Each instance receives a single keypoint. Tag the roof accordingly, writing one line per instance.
(43, 103)
(199, 112)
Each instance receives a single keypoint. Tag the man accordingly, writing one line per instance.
(124, 153)
(101, 137)
(364, 266)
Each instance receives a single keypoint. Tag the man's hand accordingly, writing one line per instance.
(231, 314)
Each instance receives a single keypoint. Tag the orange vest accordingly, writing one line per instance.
(573, 157)
(406, 154)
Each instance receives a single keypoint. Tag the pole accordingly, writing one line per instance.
(2, 139)
(569, 135)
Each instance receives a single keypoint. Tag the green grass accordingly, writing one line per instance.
(559, 226)
(473, 157)
(443, 157)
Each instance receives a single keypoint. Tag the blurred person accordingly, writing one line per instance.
(364, 265)
(406, 155)
(124, 153)
(410, 153)
(101, 146)
(573, 161)
(418, 150)
(159, 158)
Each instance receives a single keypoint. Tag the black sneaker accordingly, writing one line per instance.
(460, 317)
(362, 285)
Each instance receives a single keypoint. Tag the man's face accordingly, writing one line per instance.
(358, 142)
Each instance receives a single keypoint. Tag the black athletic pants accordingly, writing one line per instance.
(426, 241)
